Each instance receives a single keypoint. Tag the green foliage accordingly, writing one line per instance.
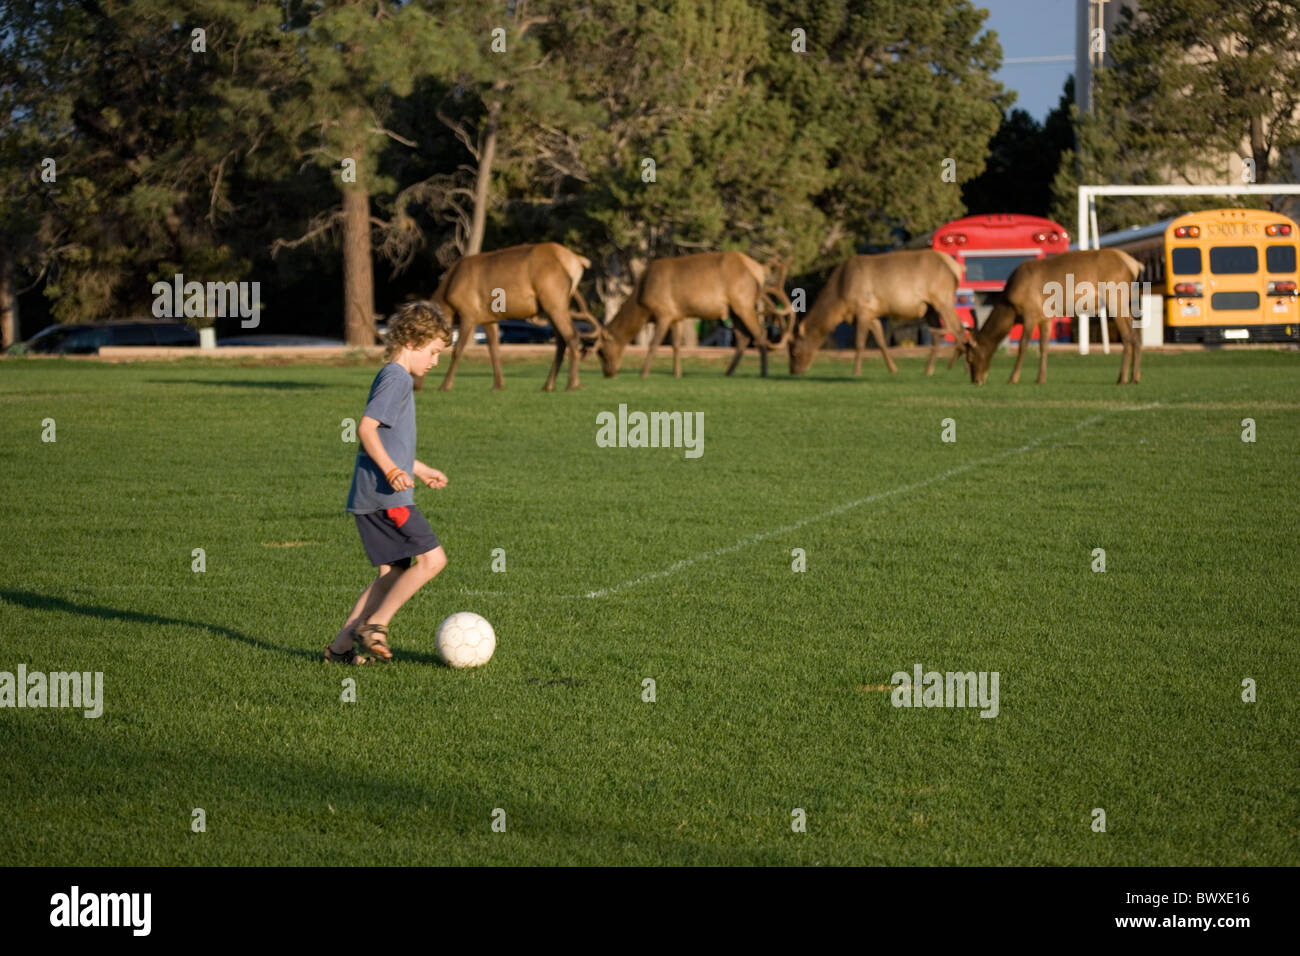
(1189, 84)
(202, 162)
(894, 89)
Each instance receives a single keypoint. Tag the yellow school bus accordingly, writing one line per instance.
(1230, 276)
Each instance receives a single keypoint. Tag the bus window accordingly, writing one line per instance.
(1234, 260)
(1187, 261)
(991, 268)
(1234, 301)
(1280, 259)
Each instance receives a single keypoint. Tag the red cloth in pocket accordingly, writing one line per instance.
(398, 516)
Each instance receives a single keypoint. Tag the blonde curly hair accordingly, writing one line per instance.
(415, 326)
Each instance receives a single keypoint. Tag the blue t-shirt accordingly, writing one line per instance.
(392, 404)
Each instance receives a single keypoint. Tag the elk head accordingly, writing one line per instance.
(802, 348)
(598, 341)
(977, 361)
(607, 348)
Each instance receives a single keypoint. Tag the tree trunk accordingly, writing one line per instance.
(358, 274)
(483, 179)
(9, 333)
(1259, 149)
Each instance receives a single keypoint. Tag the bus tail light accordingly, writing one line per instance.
(961, 238)
(1040, 237)
(1055, 237)
(1188, 288)
(1187, 232)
(1281, 288)
(1278, 229)
(965, 300)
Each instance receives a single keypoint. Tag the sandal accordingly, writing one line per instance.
(350, 657)
(374, 640)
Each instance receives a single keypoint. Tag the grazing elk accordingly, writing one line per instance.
(516, 283)
(1041, 290)
(707, 285)
(910, 286)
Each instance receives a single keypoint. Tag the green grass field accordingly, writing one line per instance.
(1119, 690)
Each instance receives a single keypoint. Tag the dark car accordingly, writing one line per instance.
(75, 339)
(519, 332)
(522, 332)
(295, 341)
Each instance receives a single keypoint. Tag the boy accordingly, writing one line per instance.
(397, 538)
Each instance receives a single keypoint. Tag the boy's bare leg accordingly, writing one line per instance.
(423, 569)
(370, 599)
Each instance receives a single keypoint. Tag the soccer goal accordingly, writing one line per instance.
(1088, 236)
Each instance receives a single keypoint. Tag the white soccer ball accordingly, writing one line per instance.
(465, 640)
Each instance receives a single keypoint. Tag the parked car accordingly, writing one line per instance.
(296, 341)
(519, 332)
(523, 332)
(85, 339)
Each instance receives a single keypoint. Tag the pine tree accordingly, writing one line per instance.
(1192, 83)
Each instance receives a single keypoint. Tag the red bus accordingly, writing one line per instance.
(988, 248)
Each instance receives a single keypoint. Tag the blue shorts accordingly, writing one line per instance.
(395, 535)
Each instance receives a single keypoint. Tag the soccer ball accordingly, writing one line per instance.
(465, 640)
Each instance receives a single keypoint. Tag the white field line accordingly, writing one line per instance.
(878, 496)
(859, 502)
(717, 552)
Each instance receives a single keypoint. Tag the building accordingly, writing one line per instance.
(1090, 56)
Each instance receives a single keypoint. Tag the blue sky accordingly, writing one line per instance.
(1033, 28)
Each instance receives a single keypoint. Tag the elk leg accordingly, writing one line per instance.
(1025, 328)
(654, 344)
(878, 331)
(1043, 336)
(934, 353)
(676, 335)
(859, 345)
(1124, 357)
(560, 346)
(1129, 363)
(949, 324)
(751, 321)
(494, 349)
(575, 352)
(466, 333)
(742, 342)
(566, 338)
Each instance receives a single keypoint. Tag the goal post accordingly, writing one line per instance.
(1087, 233)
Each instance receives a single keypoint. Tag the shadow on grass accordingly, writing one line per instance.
(43, 602)
(240, 383)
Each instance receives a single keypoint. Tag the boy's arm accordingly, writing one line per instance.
(430, 476)
(368, 432)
